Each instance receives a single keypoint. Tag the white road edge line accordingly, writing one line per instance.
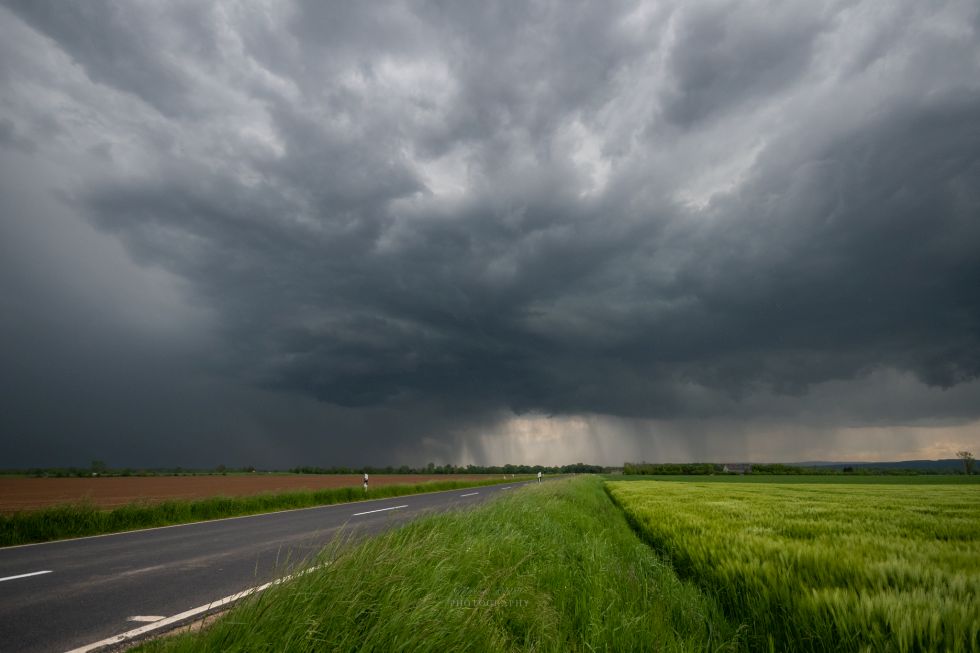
(142, 630)
(471, 494)
(33, 573)
(506, 488)
(368, 512)
(146, 617)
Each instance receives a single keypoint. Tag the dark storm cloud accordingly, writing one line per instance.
(863, 255)
(10, 138)
(423, 215)
(119, 45)
(725, 56)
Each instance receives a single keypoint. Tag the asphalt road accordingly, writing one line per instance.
(96, 585)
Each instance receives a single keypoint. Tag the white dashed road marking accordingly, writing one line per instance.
(368, 512)
(33, 573)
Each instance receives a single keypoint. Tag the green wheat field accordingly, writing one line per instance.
(824, 567)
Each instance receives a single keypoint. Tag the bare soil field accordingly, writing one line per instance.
(18, 494)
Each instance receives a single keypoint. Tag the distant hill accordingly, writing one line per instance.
(945, 465)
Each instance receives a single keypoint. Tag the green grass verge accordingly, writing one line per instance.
(841, 479)
(822, 568)
(551, 567)
(79, 520)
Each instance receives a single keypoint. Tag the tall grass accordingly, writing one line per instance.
(78, 520)
(825, 568)
(552, 567)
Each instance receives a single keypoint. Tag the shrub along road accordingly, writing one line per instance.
(72, 593)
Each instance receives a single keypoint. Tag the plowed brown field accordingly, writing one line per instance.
(33, 493)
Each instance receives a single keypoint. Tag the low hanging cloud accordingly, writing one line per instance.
(414, 224)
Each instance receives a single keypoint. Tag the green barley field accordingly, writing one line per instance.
(821, 566)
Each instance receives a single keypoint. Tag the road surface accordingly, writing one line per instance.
(72, 594)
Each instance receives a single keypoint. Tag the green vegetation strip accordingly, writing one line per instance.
(817, 567)
(551, 567)
(839, 479)
(79, 520)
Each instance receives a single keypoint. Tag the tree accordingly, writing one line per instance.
(968, 460)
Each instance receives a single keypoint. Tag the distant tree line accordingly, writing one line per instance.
(672, 469)
(99, 468)
(703, 469)
(669, 469)
(432, 468)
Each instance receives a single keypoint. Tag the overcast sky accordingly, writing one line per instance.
(281, 233)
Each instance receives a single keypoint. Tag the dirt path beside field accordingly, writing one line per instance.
(33, 493)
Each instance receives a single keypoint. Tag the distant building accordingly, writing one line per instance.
(736, 468)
